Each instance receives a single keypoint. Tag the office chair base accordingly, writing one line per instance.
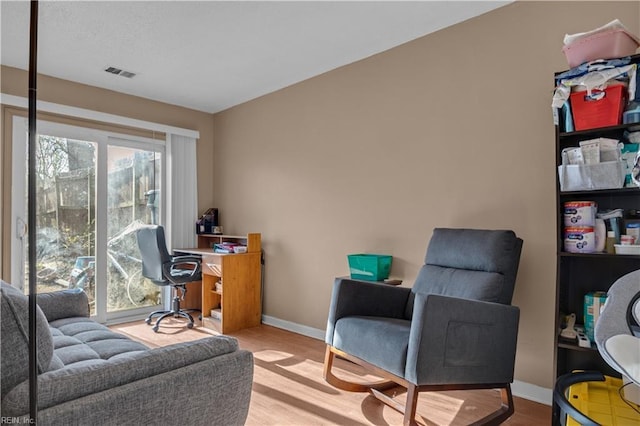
(175, 312)
(497, 417)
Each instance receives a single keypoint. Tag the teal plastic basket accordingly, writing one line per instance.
(369, 267)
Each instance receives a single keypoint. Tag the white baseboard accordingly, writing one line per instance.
(531, 392)
(316, 333)
(521, 389)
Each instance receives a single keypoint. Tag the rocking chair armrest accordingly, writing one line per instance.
(352, 297)
(454, 340)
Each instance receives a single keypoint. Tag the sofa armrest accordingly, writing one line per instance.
(66, 384)
(455, 340)
(351, 297)
(216, 391)
(63, 304)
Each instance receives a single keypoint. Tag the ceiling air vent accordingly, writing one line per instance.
(118, 71)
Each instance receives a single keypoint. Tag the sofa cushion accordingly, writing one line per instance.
(64, 303)
(14, 345)
(82, 340)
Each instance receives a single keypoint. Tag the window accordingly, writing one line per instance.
(94, 188)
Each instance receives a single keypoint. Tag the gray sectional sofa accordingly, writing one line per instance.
(90, 375)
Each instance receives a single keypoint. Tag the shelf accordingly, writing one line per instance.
(235, 237)
(632, 127)
(578, 274)
(251, 241)
(212, 323)
(239, 300)
(595, 193)
(574, 346)
(608, 256)
(218, 253)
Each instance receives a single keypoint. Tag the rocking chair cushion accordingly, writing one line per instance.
(379, 341)
(462, 283)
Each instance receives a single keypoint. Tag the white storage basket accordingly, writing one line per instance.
(586, 177)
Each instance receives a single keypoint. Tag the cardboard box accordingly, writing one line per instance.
(593, 305)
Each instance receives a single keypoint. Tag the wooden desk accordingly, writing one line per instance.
(239, 303)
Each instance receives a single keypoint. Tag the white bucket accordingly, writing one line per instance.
(580, 239)
(580, 213)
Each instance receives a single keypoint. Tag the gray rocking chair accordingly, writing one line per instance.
(454, 330)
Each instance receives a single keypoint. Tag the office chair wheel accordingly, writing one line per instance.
(148, 321)
(200, 317)
(155, 328)
(190, 325)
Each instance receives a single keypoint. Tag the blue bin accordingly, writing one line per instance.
(369, 267)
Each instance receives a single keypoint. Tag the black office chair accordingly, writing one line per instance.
(166, 270)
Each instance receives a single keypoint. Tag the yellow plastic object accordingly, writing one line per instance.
(601, 402)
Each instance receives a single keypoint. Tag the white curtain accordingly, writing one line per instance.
(182, 191)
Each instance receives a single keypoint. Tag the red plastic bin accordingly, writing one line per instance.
(595, 111)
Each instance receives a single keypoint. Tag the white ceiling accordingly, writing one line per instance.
(212, 55)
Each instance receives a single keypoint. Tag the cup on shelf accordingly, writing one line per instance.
(627, 240)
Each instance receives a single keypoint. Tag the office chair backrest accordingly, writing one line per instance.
(154, 253)
(469, 263)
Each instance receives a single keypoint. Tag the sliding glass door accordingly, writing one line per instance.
(94, 189)
(133, 198)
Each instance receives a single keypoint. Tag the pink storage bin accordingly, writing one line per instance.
(605, 45)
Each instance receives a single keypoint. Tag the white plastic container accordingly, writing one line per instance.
(624, 249)
(604, 45)
(601, 235)
(633, 229)
(580, 239)
(580, 213)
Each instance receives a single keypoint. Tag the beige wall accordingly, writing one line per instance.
(450, 130)
(15, 82)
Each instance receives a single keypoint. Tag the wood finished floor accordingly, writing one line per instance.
(288, 388)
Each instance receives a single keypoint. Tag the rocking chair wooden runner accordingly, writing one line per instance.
(454, 330)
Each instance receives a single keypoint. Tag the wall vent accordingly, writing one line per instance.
(118, 71)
